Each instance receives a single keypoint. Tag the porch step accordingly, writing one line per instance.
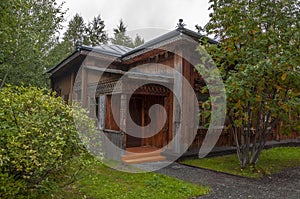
(144, 159)
(142, 154)
(130, 155)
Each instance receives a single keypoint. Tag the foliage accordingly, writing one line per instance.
(138, 40)
(259, 57)
(96, 33)
(27, 34)
(38, 138)
(273, 160)
(76, 30)
(98, 181)
(120, 37)
(91, 33)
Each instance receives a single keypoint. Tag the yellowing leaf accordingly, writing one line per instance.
(283, 77)
(239, 104)
(259, 98)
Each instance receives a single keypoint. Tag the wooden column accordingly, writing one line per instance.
(170, 115)
(84, 77)
(101, 111)
(176, 106)
(188, 110)
(166, 135)
(143, 121)
(123, 113)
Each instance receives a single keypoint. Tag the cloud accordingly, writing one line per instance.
(139, 14)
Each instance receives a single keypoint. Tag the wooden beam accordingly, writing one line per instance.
(178, 63)
(106, 70)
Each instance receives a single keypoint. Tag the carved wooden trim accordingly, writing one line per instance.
(108, 87)
(153, 89)
(128, 86)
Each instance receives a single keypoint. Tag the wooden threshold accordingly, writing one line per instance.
(136, 155)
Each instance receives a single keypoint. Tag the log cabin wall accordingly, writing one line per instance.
(196, 81)
(63, 85)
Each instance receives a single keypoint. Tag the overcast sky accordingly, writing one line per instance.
(141, 14)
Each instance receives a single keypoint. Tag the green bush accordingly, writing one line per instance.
(38, 138)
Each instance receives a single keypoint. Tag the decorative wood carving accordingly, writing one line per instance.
(127, 87)
(108, 87)
(153, 89)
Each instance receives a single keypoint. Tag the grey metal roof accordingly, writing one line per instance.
(108, 49)
(124, 52)
(113, 49)
(166, 37)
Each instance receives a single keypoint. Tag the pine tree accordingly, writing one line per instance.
(120, 37)
(76, 31)
(138, 41)
(95, 32)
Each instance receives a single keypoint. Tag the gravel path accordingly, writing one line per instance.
(285, 184)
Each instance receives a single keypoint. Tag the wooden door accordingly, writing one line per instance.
(135, 111)
(160, 139)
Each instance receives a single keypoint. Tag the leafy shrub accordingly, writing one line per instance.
(38, 138)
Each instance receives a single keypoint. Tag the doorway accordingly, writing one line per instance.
(139, 106)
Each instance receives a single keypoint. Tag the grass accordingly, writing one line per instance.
(100, 181)
(271, 161)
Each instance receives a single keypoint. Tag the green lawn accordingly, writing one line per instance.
(271, 161)
(99, 181)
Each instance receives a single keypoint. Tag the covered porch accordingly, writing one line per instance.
(115, 108)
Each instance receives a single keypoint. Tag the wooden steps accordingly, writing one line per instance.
(143, 154)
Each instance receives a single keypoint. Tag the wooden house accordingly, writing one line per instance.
(77, 78)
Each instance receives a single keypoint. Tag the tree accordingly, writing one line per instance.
(76, 31)
(62, 47)
(120, 37)
(59, 51)
(96, 33)
(259, 56)
(138, 41)
(27, 33)
(92, 33)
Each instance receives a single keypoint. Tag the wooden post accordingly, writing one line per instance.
(143, 120)
(176, 103)
(84, 88)
(123, 113)
(166, 126)
(101, 111)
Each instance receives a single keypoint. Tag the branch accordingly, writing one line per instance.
(261, 106)
(235, 136)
